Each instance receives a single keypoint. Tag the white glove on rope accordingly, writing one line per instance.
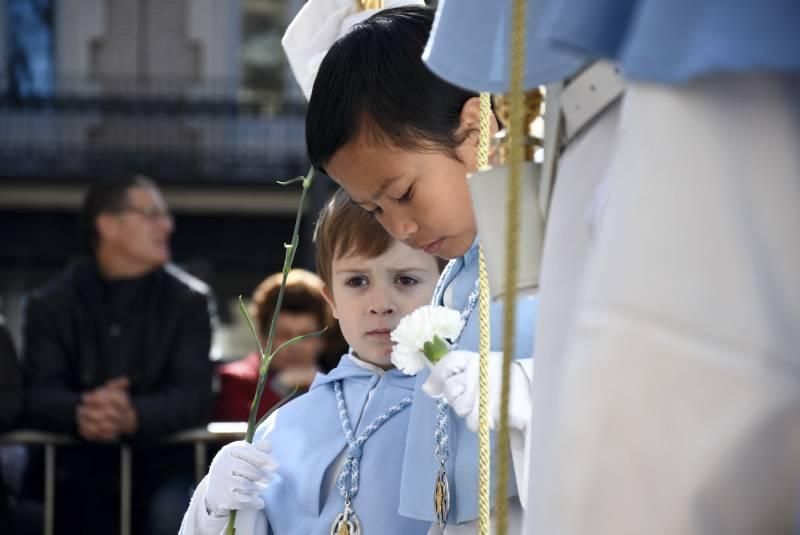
(456, 378)
(237, 476)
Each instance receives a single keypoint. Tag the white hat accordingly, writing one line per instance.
(317, 26)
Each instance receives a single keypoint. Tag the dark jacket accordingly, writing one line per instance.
(10, 381)
(81, 330)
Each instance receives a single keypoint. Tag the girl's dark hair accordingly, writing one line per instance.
(373, 79)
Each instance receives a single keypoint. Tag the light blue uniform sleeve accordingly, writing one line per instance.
(664, 41)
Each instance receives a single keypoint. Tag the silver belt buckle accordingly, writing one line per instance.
(569, 108)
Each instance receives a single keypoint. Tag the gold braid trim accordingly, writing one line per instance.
(517, 137)
(484, 446)
(364, 5)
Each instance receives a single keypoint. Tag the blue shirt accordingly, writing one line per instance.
(419, 463)
(665, 41)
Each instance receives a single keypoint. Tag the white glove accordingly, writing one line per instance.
(455, 378)
(238, 474)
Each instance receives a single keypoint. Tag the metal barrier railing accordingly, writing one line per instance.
(214, 433)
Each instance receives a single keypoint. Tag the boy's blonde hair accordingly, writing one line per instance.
(344, 228)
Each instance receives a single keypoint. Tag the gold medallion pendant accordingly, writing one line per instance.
(441, 498)
(346, 522)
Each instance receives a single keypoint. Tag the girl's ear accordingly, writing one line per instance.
(469, 128)
(326, 293)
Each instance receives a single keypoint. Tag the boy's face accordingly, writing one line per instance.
(369, 296)
(420, 198)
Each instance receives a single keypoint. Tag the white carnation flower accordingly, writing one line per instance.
(408, 359)
(431, 325)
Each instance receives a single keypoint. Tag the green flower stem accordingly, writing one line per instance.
(297, 339)
(285, 399)
(266, 352)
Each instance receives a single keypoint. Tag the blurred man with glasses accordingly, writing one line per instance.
(116, 348)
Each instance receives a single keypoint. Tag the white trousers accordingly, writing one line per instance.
(667, 388)
(471, 528)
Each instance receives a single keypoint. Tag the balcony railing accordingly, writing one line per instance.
(173, 129)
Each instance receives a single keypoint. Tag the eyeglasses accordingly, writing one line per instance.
(151, 214)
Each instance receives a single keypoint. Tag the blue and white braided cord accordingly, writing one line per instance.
(441, 435)
(350, 469)
(438, 291)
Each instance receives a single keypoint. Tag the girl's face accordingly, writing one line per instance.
(420, 198)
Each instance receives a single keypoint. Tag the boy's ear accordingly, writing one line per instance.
(326, 293)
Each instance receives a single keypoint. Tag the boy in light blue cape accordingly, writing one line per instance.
(371, 281)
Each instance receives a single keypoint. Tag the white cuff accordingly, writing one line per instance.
(197, 520)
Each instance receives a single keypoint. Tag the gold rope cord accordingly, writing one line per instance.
(516, 132)
(364, 5)
(484, 446)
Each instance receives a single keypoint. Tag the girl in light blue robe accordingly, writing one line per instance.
(419, 460)
(401, 142)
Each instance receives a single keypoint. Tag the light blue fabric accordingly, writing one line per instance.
(672, 41)
(666, 41)
(419, 464)
(308, 439)
(470, 42)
